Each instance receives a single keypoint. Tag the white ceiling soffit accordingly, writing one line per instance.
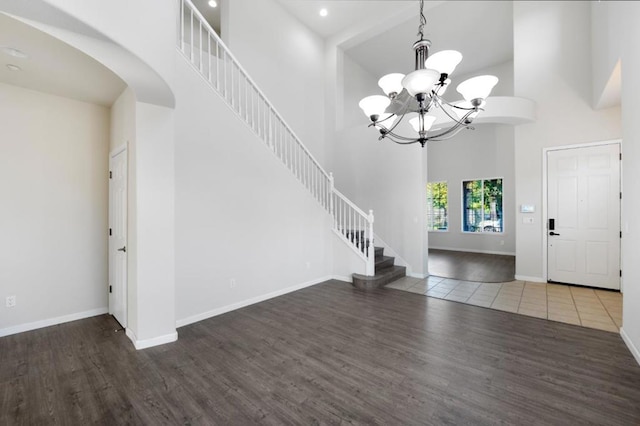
(54, 67)
(344, 15)
(481, 30)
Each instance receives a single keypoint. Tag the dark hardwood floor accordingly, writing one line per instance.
(327, 354)
(462, 265)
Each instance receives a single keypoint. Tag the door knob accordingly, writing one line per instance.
(124, 249)
(553, 233)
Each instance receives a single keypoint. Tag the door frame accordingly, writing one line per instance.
(116, 151)
(545, 213)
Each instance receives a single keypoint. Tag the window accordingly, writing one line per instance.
(437, 204)
(482, 205)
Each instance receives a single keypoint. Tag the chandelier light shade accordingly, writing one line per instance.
(391, 84)
(374, 106)
(427, 122)
(445, 61)
(421, 91)
(477, 87)
(420, 81)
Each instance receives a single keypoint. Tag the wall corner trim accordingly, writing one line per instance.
(21, 328)
(154, 341)
(243, 303)
(632, 348)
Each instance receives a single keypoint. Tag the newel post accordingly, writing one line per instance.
(371, 251)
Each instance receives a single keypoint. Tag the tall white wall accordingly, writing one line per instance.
(53, 219)
(552, 67)
(379, 175)
(617, 23)
(486, 152)
(240, 213)
(286, 60)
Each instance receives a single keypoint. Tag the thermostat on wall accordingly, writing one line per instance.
(527, 208)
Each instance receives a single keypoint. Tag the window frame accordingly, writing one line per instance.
(462, 209)
(447, 207)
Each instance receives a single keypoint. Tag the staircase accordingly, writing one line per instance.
(385, 270)
(209, 57)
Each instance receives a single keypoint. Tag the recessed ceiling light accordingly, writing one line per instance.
(14, 52)
(324, 12)
(213, 3)
(14, 67)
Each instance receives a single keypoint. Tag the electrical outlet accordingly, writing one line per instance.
(11, 301)
(232, 282)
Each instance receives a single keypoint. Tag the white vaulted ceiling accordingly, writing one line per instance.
(53, 66)
(481, 30)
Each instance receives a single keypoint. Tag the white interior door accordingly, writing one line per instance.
(118, 236)
(583, 229)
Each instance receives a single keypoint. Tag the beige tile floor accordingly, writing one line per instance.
(587, 307)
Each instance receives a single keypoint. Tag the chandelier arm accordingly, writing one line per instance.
(400, 117)
(397, 136)
(437, 137)
(461, 120)
(407, 142)
(456, 128)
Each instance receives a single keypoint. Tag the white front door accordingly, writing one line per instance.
(583, 229)
(118, 236)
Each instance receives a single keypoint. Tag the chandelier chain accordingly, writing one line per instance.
(423, 21)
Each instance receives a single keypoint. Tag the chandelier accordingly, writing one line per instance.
(420, 92)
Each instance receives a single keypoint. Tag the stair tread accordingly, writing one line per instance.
(380, 259)
(384, 273)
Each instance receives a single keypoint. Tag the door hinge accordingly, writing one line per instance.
(620, 234)
(620, 156)
(110, 289)
(110, 175)
(110, 233)
(621, 195)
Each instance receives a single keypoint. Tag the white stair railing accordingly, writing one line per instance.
(211, 58)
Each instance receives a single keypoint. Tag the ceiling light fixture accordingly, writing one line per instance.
(213, 3)
(14, 67)
(421, 91)
(324, 12)
(11, 51)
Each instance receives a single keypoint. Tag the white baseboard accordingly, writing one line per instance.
(342, 278)
(242, 304)
(503, 253)
(421, 276)
(148, 343)
(52, 321)
(530, 279)
(632, 348)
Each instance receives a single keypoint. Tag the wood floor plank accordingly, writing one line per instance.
(328, 354)
(468, 266)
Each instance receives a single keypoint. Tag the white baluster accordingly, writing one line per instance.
(191, 40)
(182, 25)
(209, 57)
(371, 262)
(200, 37)
(331, 202)
(217, 66)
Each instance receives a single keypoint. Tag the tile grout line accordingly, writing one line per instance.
(497, 293)
(606, 310)
(576, 306)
